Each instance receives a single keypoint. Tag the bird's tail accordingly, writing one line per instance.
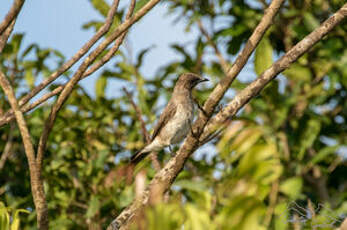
(137, 157)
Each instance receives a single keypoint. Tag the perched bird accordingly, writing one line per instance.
(175, 121)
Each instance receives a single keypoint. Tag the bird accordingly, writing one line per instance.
(175, 120)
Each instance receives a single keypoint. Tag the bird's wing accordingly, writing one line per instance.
(167, 114)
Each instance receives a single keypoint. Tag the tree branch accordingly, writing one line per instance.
(165, 177)
(35, 179)
(8, 147)
(145, 133)
(79, 73)
(4, 37)
(119, 32)
(11, 15)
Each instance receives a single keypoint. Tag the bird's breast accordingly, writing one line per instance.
(177, 129)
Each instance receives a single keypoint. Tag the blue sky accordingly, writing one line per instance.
(58, 24)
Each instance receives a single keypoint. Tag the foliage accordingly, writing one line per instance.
(285, 148)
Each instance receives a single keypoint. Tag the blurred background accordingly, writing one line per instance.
(281, 164)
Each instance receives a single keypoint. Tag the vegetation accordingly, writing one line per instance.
(279, 164)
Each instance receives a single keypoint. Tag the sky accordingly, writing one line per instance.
(56, 24)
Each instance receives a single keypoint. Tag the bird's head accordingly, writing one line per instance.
(189, 80)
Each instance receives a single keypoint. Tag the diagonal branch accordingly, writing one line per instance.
(80, 53)
(145, 133)
(4, 37)
(11, 15)
(165, 177)
(35, 179)
(79, 73)
(118, 33)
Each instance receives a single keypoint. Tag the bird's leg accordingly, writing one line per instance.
(199, 106)
(195, 135)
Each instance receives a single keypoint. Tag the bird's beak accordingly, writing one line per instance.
(204, 79)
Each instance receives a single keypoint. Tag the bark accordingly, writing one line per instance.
(35, 179)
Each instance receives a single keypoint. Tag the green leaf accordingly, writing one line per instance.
(298, 72)
(263, 56)
(16, 219)
(308, 136)
(29, 77)
(140, 4)
(100, 86)
(292, 187)
(93, 207)
(101, 6)
(323, 153)
(4, 217)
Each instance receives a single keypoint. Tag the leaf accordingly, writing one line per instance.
(4, 217)
(93, 207)
(29, 77)
(100, 86)
(292, 187)
(310, 21)
(101, 6)
(323, 153)
(263, 56)
(16, 219)
(308, 136)
(198, 186)
(16, 42)
(298, 72)
(140, 4)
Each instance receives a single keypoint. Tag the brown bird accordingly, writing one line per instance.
(175, 121)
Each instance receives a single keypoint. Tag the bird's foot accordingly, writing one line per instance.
(194, 134)
(200, 107)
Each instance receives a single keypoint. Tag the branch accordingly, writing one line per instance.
(119, 32)
(139, 115)
(165, 177)
(11, 15)
(79, 73)
(8, 147)
(145, 133)
(35, 179)
(4, 37)
(85, 48)
(292, 55)
(223, 62)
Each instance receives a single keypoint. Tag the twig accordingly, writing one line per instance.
(4, 37)
(80, 53)
(272, 203)
(223, 62)
(139, 115)
(79, 73)
(11, 15)
(153, 155)
(118, 32)
(35, 179)
(166, 176)
(8, 147)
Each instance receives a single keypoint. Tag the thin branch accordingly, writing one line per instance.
(11, 15)
(4, 37)
(79, 73)
(119, 32)
(80, 53)
(145, 133)
(8, 147)
(35, 179)
(223, 62)
(167, 175)
(139, 115)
